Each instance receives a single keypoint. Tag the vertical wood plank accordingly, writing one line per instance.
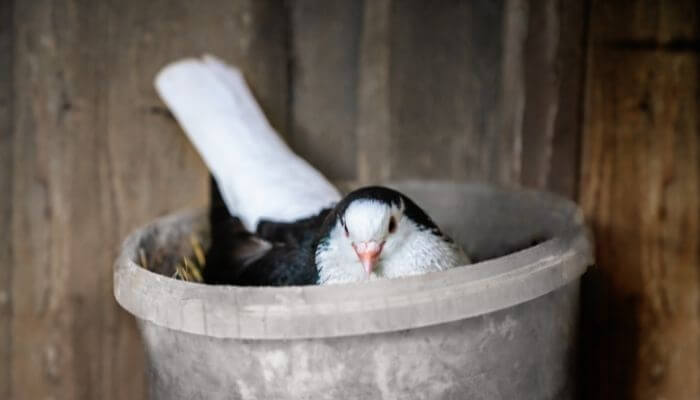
(505, 149)
(463, 90)
(373, 122)
(94, 155)
(569, 66)
(246, 33)
(541, 111)
(445, 87)
(52, 239)
(325, 39)
(6, 134)
(486, 91)
(265, 58)
(640, 188)
(541, 84)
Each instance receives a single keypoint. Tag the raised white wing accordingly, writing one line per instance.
(258, 175)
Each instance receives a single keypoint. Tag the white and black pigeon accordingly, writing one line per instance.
(304, 232)
(377, 232)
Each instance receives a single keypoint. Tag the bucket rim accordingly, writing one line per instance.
(377, 306)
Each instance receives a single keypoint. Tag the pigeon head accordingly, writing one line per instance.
(375, 232)
(370, 223)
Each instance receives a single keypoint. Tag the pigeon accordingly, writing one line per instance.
(277, 221)
(377, 232)
(278, 254)
(374, 232)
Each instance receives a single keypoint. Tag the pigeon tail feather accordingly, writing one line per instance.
(259, 175)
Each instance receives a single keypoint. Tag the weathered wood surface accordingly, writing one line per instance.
(483, 90)
(6, 134)
(640, 189)
(323, 100)
(93, 155)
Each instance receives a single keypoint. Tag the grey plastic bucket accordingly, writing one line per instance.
(503, 328)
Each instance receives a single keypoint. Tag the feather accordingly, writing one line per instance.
(259, 176)
(280, 254)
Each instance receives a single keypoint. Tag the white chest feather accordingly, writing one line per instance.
(410, 252)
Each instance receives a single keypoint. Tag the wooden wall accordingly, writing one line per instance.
(91, 154)
(640, 188)
(453, 89)
(366, 90)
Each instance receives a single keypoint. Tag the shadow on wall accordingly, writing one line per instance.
(609, 340)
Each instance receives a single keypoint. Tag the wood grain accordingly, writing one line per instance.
(542, 66)
(569, 67)
(552, 75)
(373, 94)
(95, 154)
(57, 229)
(471, 90)
(6, 135)
(325, 39)
(640, 188)
(463, 90)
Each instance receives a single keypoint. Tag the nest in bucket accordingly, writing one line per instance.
(188, 267)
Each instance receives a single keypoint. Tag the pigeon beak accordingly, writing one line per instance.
(368, 253)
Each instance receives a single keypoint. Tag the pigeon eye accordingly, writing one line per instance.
(392, 225)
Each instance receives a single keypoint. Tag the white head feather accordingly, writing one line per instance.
(408, 249)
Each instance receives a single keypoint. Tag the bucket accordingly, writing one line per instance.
(504, 327)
